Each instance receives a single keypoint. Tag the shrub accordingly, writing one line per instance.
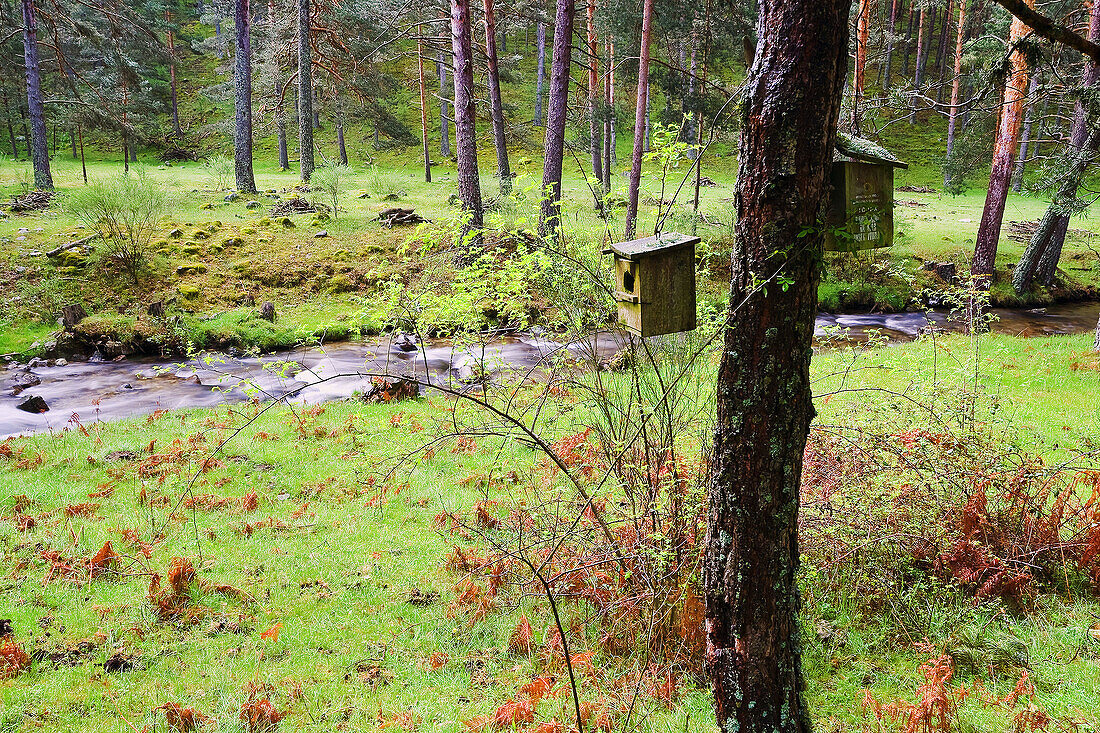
(220, 171)
(329, 183)
(125, 211)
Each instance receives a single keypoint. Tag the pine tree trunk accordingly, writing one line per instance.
(279, 113)
(692, 126)
(444, 121)
(1040, 259)
(173, 97)
(641, 122)
(341, 145)
(469, 184)
(540, 34)
(953, 114)
(317, 127)
(608, 120)
(496, 107)
(242, 86)
(595, 129)
(788, 122)
(557, 107)
(38, 141)
(891, 29)
(305, 93)
(423, 103)
(1004, 153)
(611, 107)
(8, 115)
(1025, 136)
(863, 34)
(918, 69)
(909, 37)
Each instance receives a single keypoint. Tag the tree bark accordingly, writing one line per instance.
(496, 106)
(1025, 136)
(469, 183)
(540, 34)
(1004, 153)
(595, 129)
(40, 154)
(788, 123)
(953, 114)
(242, 85)
(608, 119)
(918, 67)
(338, 122)
(556, 109)
(863, 34)
(909, 37)
(174, 98)
(305, 93)
(444, 121)
(423, 104)
(1040, 258)
(641, 122)
(280, 111)
(891, 29)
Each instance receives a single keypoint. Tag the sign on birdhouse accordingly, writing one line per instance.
(861, 211)
(655, 283)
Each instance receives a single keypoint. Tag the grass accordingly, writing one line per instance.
(335, 545)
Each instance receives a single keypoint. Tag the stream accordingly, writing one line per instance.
(112, 390)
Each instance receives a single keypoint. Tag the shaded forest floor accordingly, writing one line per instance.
(322, 580)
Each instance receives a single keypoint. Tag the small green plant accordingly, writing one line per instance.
(125, 211)
(219, 171)
(382, 184)
(329, 183)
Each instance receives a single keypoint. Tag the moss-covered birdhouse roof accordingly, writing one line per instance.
(852, 149)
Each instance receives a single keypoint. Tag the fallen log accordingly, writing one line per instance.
(70, 245)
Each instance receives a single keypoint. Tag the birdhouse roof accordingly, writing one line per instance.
(649, 246)
(852, 149)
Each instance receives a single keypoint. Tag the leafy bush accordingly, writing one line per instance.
(125, 211)
(329, 183)
(220, 171)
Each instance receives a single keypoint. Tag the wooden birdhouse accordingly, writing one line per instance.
(655, 283)
(861, 211)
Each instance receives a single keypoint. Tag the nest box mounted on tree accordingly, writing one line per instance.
(655, 283)
(861, 211)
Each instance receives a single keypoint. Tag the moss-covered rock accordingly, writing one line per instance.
(190, 268)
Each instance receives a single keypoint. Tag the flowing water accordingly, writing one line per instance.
(91, 391)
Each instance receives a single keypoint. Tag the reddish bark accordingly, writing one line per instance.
(595, 130)
(953, 115)
(1004, 155)
(863, 34)
(641, 122)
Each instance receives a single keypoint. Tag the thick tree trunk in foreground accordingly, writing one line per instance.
(38, 141)
(1040, 259)
(556, 109)
(641, 123)
(540, 34)
(242, 86)
(788, 123)
(496, 107)
(469, 183)
(953, 115)
(305, 93)
(444, 117)
(1004, 154)
(863, 35)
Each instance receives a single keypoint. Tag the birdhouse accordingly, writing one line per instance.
(655, 283)
(861, 211)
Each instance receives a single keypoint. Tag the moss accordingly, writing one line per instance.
(232, 242)
(190, 268)
(110, 326)
(189, 291)
(201, 234)
(286, 222)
